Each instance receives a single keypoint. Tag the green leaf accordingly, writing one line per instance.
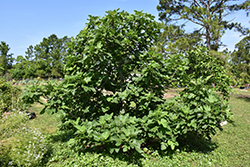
(102, 120)
(99, 45)
(163, 146)
(191, 96)
(171, 144)
(105, 135)
(185, 109)
(71, 141)
(105, 109)
(132, 104)
(111, 150)
(211, 98)
(117, 150)
(164, 123)
(207, 108)
(77, 121)
(137, 146)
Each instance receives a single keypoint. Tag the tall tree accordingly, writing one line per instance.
(19, 68)
(241, 60)
(30, 63)
(5, 58)
(30, 53)
(174, 40)
(49, 56)
(208, 16)
(43, 60)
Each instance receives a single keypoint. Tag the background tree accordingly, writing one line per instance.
(174, 40)
(5, 58)
(49, 56)
(208, 16)
(30, 64)
(240, 59)
(44, 60)
(19, 69)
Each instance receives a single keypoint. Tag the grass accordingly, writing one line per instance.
(234, 141)
(47, 124)
(230, 147)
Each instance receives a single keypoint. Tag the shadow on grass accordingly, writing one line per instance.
(195, 143)
(189, 143)
(4, 156)
(244, 97)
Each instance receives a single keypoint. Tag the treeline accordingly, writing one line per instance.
(44, 60)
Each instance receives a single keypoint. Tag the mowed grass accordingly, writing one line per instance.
(46, 123)
(230, 147)
(234, 141)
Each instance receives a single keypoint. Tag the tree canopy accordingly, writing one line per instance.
(240, 59)
(208, 16)
(5, 58)
(43, 60)
(174, 39)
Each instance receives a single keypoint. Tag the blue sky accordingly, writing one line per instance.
(27, 22)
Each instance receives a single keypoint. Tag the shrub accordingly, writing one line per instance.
(203, 102)
(112, 95)
(9, 96)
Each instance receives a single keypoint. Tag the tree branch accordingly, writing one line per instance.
(194, 21)
(202, 1)
(218, 6)
(197, 3)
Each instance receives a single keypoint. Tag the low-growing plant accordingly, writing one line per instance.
(112, 95)
(24, 146)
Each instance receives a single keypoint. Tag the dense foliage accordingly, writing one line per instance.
(203, 103)
(44, 60)
(6, 59)
(9, 96)
(112, 97)
(241, 61)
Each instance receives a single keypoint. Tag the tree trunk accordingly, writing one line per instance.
(208, 27)
(208, 36)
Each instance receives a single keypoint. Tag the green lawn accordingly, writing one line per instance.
(230, 147)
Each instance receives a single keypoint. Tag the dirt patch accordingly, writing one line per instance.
(243, 96)
(43, 100)
(5, 114)
(169, 95)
